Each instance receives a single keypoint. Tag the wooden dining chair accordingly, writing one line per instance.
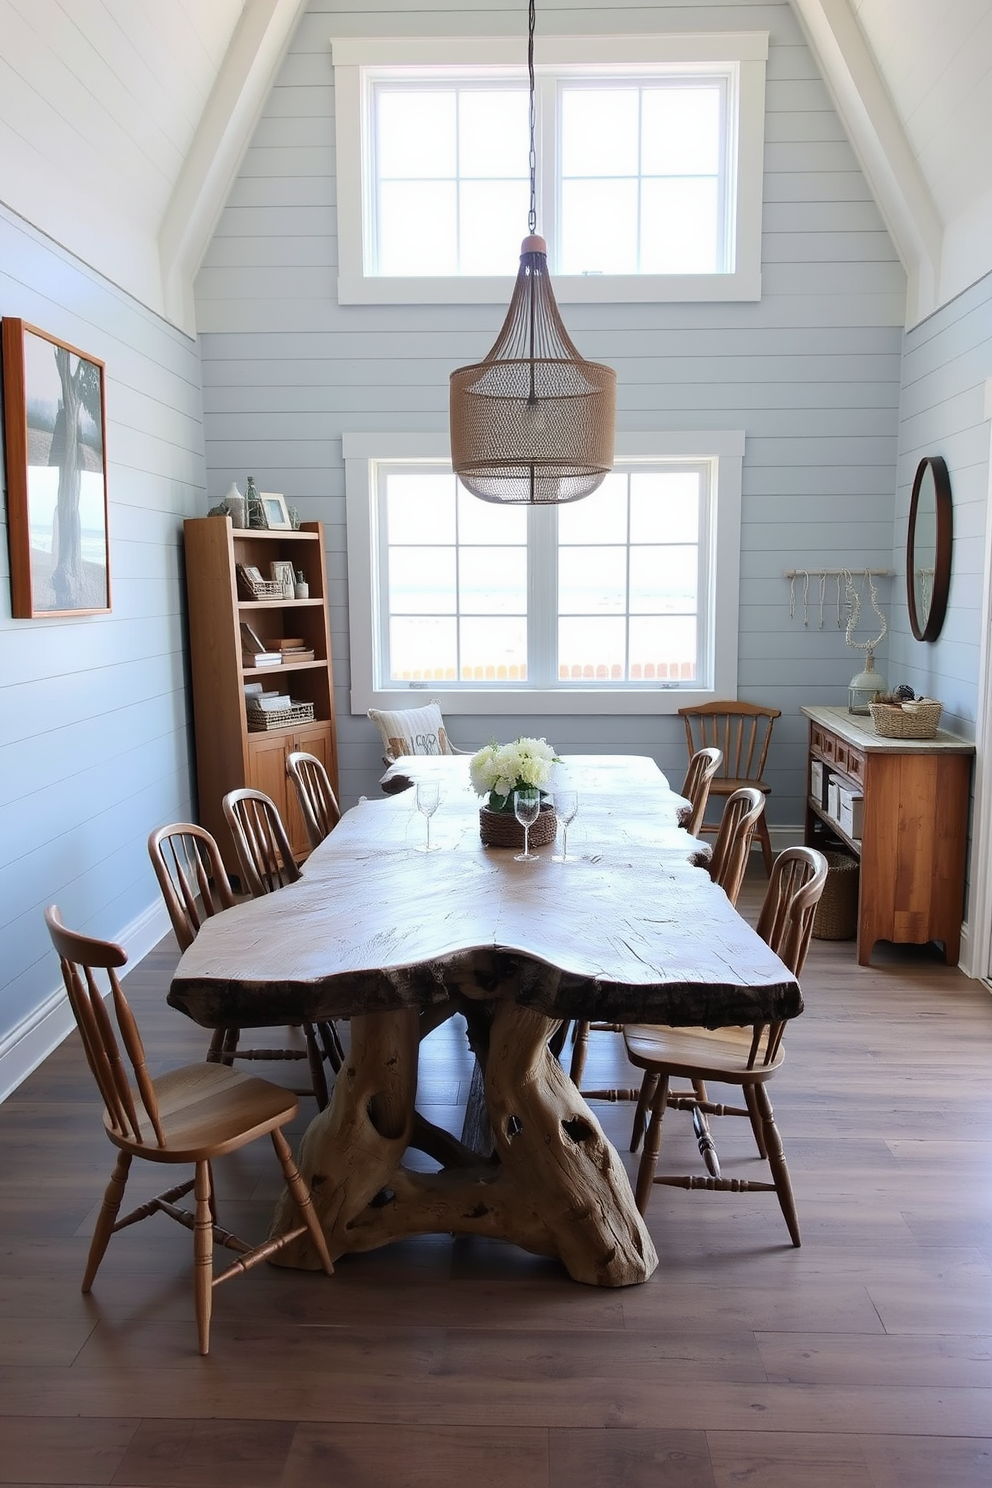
(731, 851)
(318, 803)
(195, 1114)
(696, 786)
(266, 863)
(742, 732)
(743, 1057)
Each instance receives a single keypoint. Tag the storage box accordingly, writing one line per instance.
(833, 798)
(816, 780)
(851, 812)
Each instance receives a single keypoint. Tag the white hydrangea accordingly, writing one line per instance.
(498, 770)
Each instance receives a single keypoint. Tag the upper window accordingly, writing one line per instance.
(630, 592)
(649, 155)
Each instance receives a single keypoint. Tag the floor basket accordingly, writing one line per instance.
(501, 828)
(837, 912)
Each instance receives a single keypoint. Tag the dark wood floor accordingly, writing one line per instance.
(863, 1360)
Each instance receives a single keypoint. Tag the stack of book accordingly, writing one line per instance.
(254, 652)
(295, 649)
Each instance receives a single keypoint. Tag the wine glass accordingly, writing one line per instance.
(428, 795)
(566, 806)
(526, 808)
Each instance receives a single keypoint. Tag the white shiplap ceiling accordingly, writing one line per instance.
(122, 124)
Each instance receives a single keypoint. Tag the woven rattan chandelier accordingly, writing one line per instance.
(532, 423)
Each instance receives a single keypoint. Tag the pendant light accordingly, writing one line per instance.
(532, 423)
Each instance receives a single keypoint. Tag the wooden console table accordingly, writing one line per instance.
(915, 826)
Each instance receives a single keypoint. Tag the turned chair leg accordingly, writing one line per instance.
(777, 1163)
(580, 1048)
(107, 1218)
(648, 1087)
(652, 1146)
(203, 1253)
(301, 1196)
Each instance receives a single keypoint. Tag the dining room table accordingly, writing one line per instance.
(395, 939)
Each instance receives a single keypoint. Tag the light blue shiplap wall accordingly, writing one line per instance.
(811, 372)
(94, 748)
(942, 412)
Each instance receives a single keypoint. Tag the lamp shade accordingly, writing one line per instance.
(532, 423)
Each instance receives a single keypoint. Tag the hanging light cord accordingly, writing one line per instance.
(531, 22)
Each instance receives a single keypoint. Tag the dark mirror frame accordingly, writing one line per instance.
(930, 629)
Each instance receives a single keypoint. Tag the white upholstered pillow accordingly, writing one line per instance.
(412, 730)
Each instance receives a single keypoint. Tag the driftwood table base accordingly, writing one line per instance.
(559, 1188)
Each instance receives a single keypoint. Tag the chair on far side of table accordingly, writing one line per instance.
(742, 813)
(742, 731)
(743, 1057)
(318, 803)
(266, 863)
(696, 786)
(191, 1115)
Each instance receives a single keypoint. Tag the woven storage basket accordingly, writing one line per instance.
(260, 720)
(837, 912)
(501, 828)
(919, 722)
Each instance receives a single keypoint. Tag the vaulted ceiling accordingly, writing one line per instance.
(122, 124)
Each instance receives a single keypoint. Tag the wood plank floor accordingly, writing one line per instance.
(863, 1360)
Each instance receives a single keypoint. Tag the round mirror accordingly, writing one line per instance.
(928, 549)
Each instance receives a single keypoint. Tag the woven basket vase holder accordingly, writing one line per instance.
(501, 828)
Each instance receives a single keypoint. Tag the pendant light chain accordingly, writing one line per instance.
(531, 22)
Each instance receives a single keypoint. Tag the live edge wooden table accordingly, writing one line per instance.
(396, 940)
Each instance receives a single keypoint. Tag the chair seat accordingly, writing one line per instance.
(206, 1110)
(697, 1053)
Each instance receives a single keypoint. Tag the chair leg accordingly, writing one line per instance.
(301, 1195)
(316, 1058)
(648, 1087)
(777, 1163)
(757, 1125)
(579, 1049)
(229, 1048)
(331, 1045)
(203, 1254)
(652, 1146)
(216, 1049)
(766, 844)
(107, 1218)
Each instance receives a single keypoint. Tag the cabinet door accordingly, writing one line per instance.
(314, 739)
(267, 772)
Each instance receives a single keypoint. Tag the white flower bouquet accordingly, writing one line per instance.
(498, 770)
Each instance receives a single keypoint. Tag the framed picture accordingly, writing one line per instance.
(284, 573)
(276, 511)
(56, 440)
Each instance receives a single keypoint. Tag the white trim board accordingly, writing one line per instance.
(41, 1032)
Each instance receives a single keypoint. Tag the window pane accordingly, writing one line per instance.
(417, 227)
(422, 649)
(679, 226)
(599, 131)
(664, 508)
(492, 222)
(415, 129)
(422, 581)
(494, 650)
(681, 132)
(420, 508)
(599, 227)
(663, 581)
(599, 518)
(492, 581)
(592, 581)
(493, 138)
(591, 650)
(663, 650)
(481, 522)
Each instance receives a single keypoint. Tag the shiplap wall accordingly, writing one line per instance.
(811, 372)
(94, 746)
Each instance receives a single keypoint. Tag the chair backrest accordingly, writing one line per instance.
(191, 875)
(318, 803)
(696, 786)
(265, 857)
(411, 731)
(733, 839)
(81, 957)
(795, 887)
(742, 731)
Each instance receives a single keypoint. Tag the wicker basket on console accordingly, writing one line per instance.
(917, 720)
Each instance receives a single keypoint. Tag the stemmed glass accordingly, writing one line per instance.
(526, 808)
(428, 795)
(566, 806)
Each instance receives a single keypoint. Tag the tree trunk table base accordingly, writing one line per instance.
(559, 1188)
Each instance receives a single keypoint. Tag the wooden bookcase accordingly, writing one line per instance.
(228, 755)
(914, 829)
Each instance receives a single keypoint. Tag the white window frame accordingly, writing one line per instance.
(742, 55)
(723, 450)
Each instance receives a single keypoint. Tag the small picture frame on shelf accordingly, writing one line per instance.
(283, 573)
(275, 511)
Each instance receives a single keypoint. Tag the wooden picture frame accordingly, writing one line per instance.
(276, 511)
(57, 505)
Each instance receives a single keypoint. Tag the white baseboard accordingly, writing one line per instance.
(37, 1035)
